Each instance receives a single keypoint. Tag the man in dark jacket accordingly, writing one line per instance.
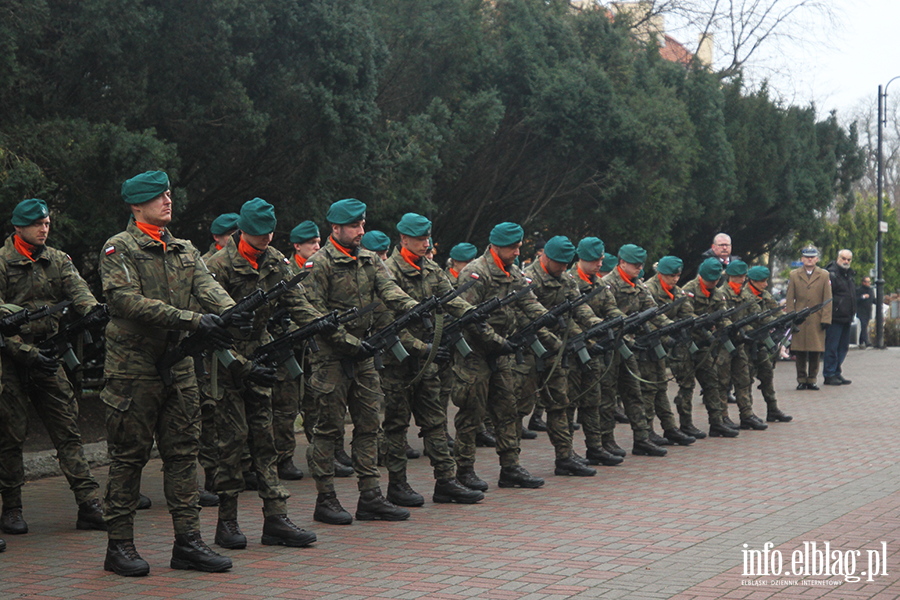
(843, 309)
(865, 299)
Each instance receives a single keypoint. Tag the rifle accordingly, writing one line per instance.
(653, 339)
(784, 321)
(727, 332)
(280, 351)
(60, 344)
(12, 324)
(708, 321)
(578, 344)
(527, 335)
(389, 338)
(635, 322)
(197, 344)
(453, 333)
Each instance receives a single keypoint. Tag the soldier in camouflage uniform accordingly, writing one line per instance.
(411, 391)
(664, 289)
(244, 414)
(484, 380)
(706, 298)
(762, 366)
(632, 296)
(346, 276)
(592, 390)
(735, 370)
(556, 286)
(32, 275)
(149, 278)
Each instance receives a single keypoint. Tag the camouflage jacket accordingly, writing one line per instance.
(732, 299)
(661, 296)
(339, 282)
(213, 248)
(704, 304)
(604, 303)
(48, 279)
(551, 291)
(493, 282)
(632, 298)
(149, 287)
(765, 301)
(239, 278)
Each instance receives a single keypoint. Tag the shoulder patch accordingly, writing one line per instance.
(286, 261)
(688, 294)
(110, 250)
(528, 280)
(308, 264)
(474, 275)
(69, 257)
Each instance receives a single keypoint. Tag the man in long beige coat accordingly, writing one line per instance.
(807, 286)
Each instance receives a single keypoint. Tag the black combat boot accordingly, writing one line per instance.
(613, 448)
(191, 552)
(579, 459)
(122, 558)
(451, 490)
(599, 456)
(536, 423)
(571, 467)
(658, 439)
(402, 494)
(485, 439)
(342, 457)
(528, 434)
(229, 535)
(647, 448)
(90, 516)
(251, 482)
(342, 470)
(329, 510)
(278, 530)
(621, 417)
(467, 477)
(727, 422)
(412, 453)
(372, 506)
(679, 437)
(2, 545)
(689, 429)
(144, 502)
(774, 415)
(517, 476)
(288, 471)
(207, 498)
(720, 430)
(753, 422)
(12, 521)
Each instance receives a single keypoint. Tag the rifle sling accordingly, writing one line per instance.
(559, 354)
(435, 344)
(154, 333)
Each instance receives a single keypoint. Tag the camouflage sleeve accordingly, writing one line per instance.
(318, 292)
(74, 286)
(296, 301)
(122, 286)
(604, 304)
(208, 292)
(391, 293)
(583, 315)
(459, 306)
(718, 303)
(647, 301)
(532, 309)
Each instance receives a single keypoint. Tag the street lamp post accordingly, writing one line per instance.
(879, 256)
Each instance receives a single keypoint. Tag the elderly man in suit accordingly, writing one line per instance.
(807, 286)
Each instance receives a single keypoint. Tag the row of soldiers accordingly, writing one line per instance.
(379, 352)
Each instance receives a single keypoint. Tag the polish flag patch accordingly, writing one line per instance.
(475, 276)
(110, 250)
(308, 265)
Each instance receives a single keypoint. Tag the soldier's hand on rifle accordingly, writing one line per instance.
(262, 376)
(213, 328)
(44, 362)
(243, 321)
(507, 348)
(442, 356)
(365, 350)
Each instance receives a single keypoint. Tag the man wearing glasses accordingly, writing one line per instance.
(843, 309)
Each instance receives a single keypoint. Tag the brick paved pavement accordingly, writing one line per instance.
(651, 528)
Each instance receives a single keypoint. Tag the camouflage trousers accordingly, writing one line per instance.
(244, 417)
(654, 390)
(552, 386)
(763, 369)
(594, 407)
(703, 368)
(478, 389)
(335, 394)
(422, 401)
(621, 377)
(55, 404)
(526, 390)
(285, 408)
(137, 412)
(735, 370)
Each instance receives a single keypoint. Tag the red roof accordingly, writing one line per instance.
(675, 52)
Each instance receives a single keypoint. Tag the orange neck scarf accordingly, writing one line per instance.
(624, 276)
(300, 262)
(341, 248)
(736, 287)
(583, 275)
(755, 291)
(218, 247)
(454, 272)
(666, 288)
(153, 231)
(706, 291)
(411, 258)
(499, 262)
(250, 253)
(23, 247)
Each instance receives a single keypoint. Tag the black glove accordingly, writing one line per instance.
(44, 362)
(262, 376)
(212, 327)
(365, 350)
(243, 321)
(442, 356)
(507, 348)
(824, 326)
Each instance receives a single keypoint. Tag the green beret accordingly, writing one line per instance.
(224, 223)
(506, 234)
(430, 243)
(710, 269)
(463, 252)
(349, 210)
(758, 273)
(414, 225)
(609, 263)
(306, 230)
(669, 265)
(257, 217)
(634, 255)
(560, 249)
(29, 211)
(736, 268)
(145, 187)
(375, 241)
(590, 248)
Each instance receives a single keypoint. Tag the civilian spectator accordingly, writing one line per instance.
(865, 298)
(843, 309)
